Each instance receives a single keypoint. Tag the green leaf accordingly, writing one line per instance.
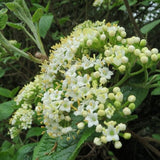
(156, 91)
(86, 133)
(156, 136)
(63, 149)
(148, 27)
(6, 109)
(25, 152)
(2, 72)
(37, 15)
(3, 21)
(18, 26)
(3, 11)
(5, 92)
(11, 6)
(14, 91)
(63, 20)
(35, 131)
(45, 24)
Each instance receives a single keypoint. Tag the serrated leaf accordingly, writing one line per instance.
(3, 21)
(35, 131)
(6, 109)
(86, 133)
(18, 26)
(45, 24)
(37, 15)
(62, 148)
(25, 152)
(156, 91)
(148, 27)
(5, 92)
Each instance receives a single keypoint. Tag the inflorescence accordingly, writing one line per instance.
(80, 80)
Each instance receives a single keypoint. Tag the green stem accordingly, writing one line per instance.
(6, 44)
(136, 73)
(145, 74)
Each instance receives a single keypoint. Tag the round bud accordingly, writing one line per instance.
(148, 52)
(126, 111)
(73, 49)
(123, 34)
(103, 139)
(144, 59)
(137, 52)
(119, 96)
(117, 144)
(111, 96)
(103, 37)
(68, 118)
(154, 51)
(84, 113)
(116, 89)
(99, 128)
(117, 104)
(123, 41)
(80, 125)
(101, 106)
(96, 74)
(132, 106)
(126, 135)
(112, 33)
(143, 42)
(97, 141)
(107, 53)
(103, 80)
(89, 42)
(101, 113)
(124, 59)
(154, 57)
(122, 126)
(131, 98)
(130, 41)
(136, 39)
(122, 68)
(119, 38)
(131, 48)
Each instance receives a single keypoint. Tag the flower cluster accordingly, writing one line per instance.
(22, 118)
(82, 79)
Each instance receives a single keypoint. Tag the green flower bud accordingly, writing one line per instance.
(117, 104)
(154, 57)
(143, 42)
(127, 135)
(117, 144)
(132, 106)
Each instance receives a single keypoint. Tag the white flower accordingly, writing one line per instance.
(92, 119)
(105, 72)
(66, 105)
(92, 105)
(97, 141)
(111, 133)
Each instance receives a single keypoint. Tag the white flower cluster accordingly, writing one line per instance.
(79, 77)
(22, 118)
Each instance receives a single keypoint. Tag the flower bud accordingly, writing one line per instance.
(122, 68)
(80, 125)
(99, 128)
(124, 59)
(101, 113)
(103, 80)
(101, 106)
(131, 98)
(154, 57)
(132, 106)
(111, 96)
(96, 74)
(144, 59)
(112, 33)
(107, 53)
(116, 89)
(119, 38)
(103, 139)
(137, 52)
(136, 39)
(84, 113)
(89, 42)
(117, 144)
(154, 51)
(127, 135)
(143, 42)
(97, 141)
(123, 34)
(126, 111)
(122, 126)
(131, 48)
(117, 104)
(103, 37)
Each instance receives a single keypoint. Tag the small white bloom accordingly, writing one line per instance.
(92, 119)
(97, 141)
(117, 144)
(126, 111)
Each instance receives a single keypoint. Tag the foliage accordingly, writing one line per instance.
(51, 21)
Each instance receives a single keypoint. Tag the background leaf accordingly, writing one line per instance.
(35, 131)
(156, 91)
(148, 27)
(6, 109)
(5, 92)
(44, 24)
(37, 15)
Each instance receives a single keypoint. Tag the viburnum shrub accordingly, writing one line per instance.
(80, 86)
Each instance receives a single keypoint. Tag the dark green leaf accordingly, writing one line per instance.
(156, 136)
(63, 20)
(25, 152)
(18, 26)
(2, 72)
(63, 150)
(86, 133)
(35, 131)
(45, 24)
(14, 91)
(47, 6)
(3, 21)
(37, 15)
(6, 109)
(156, 91)
(131, 3)
(11, 6)
(3, 11)
(148, 27)
(5, 92)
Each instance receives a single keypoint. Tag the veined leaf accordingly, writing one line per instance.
(5, 92)
(44, 24)
(35, 131)
(6, 109)
(3, 21)
(156, 91)
(148, 27)
(37, 15)
(18, 26)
